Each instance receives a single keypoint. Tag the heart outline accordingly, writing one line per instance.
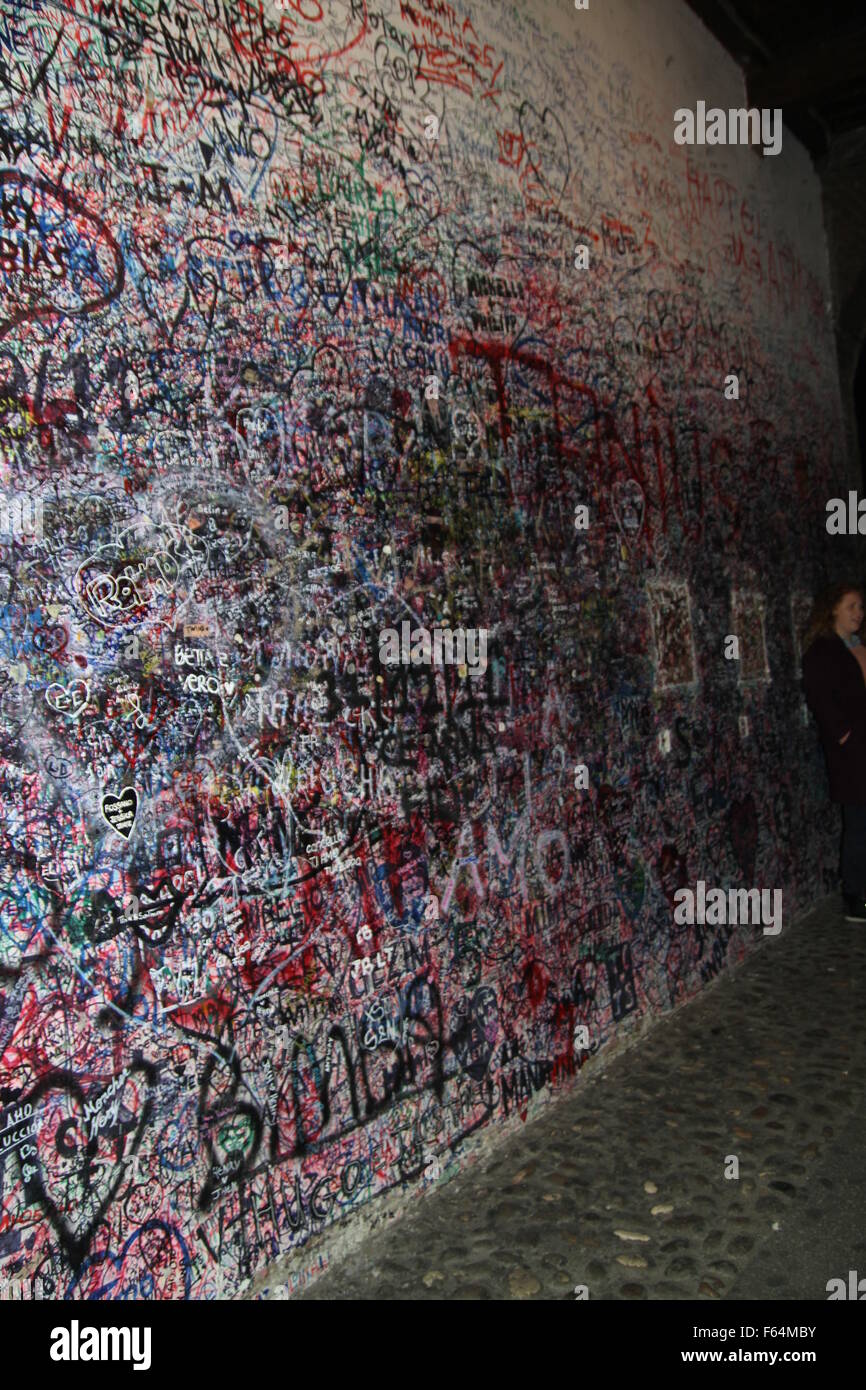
(75, 1247)
(116, 800)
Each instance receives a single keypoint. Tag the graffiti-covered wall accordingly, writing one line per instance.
(375, 516)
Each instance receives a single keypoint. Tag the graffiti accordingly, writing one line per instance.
(672, 631)
(747, 616)
(283, 924)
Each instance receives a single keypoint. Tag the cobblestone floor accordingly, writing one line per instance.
(620, 1185)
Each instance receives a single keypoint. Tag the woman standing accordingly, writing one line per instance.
(835, 684)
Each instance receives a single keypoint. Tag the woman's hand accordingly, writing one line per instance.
(847, 736)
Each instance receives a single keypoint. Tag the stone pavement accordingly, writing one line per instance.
(620, 1184)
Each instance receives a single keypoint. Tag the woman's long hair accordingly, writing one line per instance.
(820, 622)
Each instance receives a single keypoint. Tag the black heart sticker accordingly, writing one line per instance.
(120, 811)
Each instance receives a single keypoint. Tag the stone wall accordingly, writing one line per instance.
(297, 349)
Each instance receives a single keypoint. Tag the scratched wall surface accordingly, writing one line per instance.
(279, 927)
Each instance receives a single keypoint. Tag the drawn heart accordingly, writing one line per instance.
(547, 155)
(52, 638)
(81, 1164)
(743, 830)
(244, 149)
(628, 507)
(631, 887)
(474, 1030)
(68, 699)
(120, 811)
(155, 1246)
(154, 911)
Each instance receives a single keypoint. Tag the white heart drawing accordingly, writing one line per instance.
(71, 699)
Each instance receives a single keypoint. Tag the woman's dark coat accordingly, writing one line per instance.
(836, 695)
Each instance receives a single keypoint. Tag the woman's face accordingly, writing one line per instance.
(848, 614)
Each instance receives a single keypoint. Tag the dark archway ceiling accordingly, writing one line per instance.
(808, 58)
